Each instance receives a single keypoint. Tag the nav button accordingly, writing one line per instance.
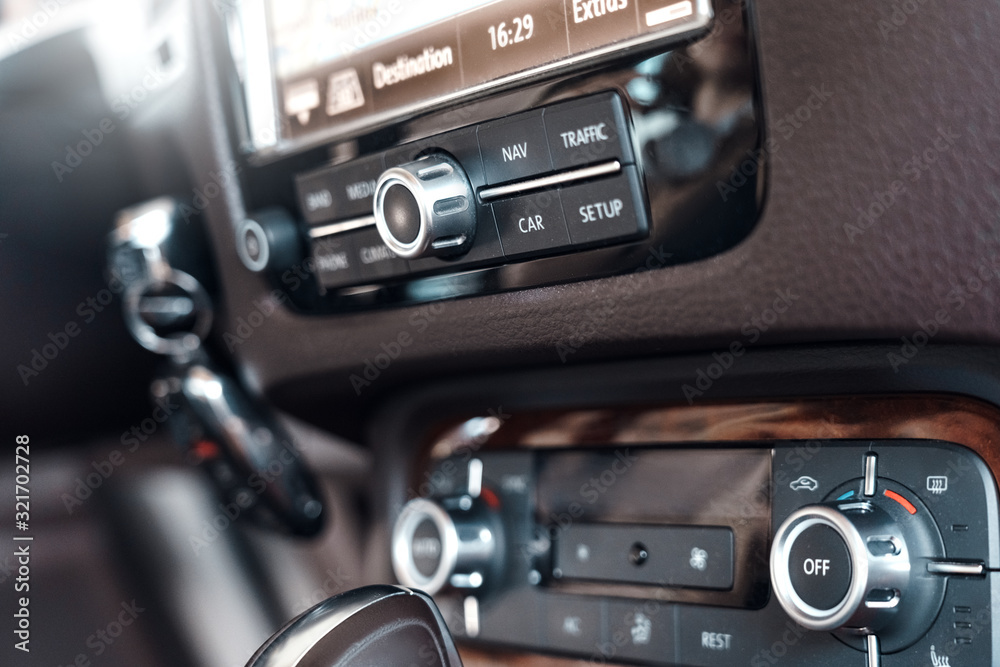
(531, 224)
(514, 148)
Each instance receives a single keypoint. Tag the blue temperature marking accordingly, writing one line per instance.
(846, 495)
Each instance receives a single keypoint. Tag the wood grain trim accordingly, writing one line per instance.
(957, 419)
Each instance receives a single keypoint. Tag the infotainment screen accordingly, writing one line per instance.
(338, 67)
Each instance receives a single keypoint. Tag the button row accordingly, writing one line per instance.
(682, 556)
(650, 631)
(566, 135)
(570, 134)
(607, 210)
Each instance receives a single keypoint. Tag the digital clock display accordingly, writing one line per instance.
(341, 66)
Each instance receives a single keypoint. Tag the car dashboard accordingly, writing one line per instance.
(632, 332)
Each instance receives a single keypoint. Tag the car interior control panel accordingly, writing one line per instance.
(798, 552)
(546, 181)
(633, 146)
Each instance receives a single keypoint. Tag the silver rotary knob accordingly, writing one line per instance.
(859, 567)
(822, 570)
(454, 541)
(426, 208)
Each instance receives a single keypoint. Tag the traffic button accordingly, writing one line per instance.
(588, 131)
(819, 567)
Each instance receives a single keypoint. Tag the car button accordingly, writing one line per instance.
(588, 131)
(335, 260)
(531, 224)
(373, 259)
(341, 192)
(606, 209)
(514, 148)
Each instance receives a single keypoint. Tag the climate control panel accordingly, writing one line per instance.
(813, 552)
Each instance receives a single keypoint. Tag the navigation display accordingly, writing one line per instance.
(344, 65)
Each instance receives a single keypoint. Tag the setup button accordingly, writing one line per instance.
(606, 209)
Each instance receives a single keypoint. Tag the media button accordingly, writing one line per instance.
(514, 148)
(588, 131)
(531, 224)
(605, 210)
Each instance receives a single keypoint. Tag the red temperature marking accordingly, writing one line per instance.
(490, 498)
(901, 500)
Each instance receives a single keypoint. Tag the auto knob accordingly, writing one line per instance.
(453, 541)
(426, 208)
(859, 567)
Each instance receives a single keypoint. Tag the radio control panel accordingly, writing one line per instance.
(547, 181)
(641, 162)
(821, 553)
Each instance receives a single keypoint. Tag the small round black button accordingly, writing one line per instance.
(252, 243)
(402, 213)
(426, 548)
(819, 566)
(638, 554)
